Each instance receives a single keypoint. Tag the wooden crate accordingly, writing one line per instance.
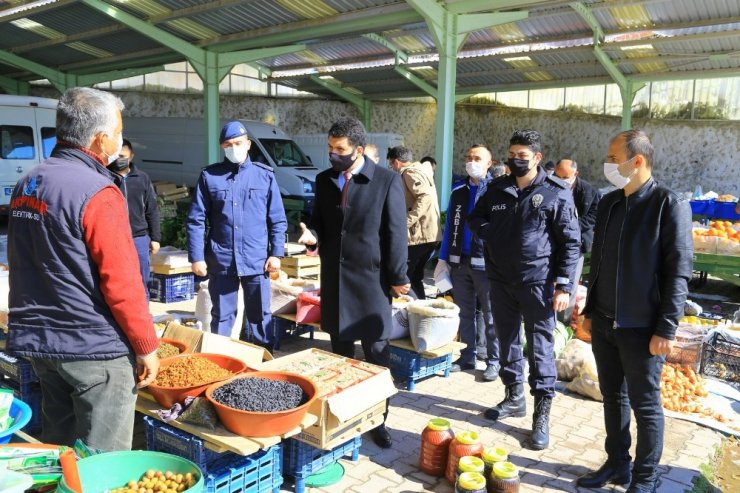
(167, 270)
(300, 261)
(312, 271)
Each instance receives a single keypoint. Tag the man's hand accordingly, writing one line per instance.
(272, 265)
(660, 345)
(307, 238)
(399, 290)
(153, 247)
(560, 300)
(199, 268)
(147, 367)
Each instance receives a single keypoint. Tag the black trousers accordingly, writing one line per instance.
(418, 257)
(377, 352)
(629, 378)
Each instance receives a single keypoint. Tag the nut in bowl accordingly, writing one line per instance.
(283, 399)
(189, 375)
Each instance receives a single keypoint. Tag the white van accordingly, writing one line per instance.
(173, 149)
(27, 137)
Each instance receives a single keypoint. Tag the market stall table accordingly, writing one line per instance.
(725, 267)
(219, 439)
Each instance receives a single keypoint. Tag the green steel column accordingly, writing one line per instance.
(445, 118)
(211, 106)
(628, 92)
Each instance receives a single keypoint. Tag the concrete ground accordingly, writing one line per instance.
(576, 435)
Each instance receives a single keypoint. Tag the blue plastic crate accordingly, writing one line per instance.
(412, 366)
(257, 473)
(31, 395)
(726, 210)
(702, 207)
(169, 288)
(301, 459)
(17, 369)
(164, 438)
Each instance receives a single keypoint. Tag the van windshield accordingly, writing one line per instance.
(285, 153)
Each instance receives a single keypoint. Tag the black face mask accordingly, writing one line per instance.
(518, 167)
(341, 163)
(119, 165)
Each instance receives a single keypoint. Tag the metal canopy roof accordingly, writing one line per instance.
(374, 49)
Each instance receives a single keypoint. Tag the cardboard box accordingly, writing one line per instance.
(343, 412)
(205, 342)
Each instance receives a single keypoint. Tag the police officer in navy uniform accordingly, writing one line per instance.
(530, 226)
(236, 235)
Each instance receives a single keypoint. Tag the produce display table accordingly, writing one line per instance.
(726, 267)
(220, 439)
(295, 327)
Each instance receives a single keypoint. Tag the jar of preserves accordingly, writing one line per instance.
(465, 443)
(435, 443)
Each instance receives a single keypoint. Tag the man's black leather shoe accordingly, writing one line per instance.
(382, 437)
(605, 474)
(456, 367)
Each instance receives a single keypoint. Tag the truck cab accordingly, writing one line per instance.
(27, 137)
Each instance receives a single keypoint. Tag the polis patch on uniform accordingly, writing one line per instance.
(537, 200)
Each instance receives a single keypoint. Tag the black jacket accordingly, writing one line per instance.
(654, 258)
(143, 213)
(531, 235)
(586, 198)
(363, 251)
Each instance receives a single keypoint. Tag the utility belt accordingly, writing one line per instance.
(478, 262)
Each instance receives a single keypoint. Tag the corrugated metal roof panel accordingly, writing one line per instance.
(12, 36)
(60, 55)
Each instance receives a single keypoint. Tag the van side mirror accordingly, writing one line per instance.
(309, 159)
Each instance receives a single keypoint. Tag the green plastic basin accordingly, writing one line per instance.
(103, 472)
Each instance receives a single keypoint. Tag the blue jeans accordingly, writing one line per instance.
(532, 303)
(471, 289)
(92, 400)
(142, 250)
(629, 377)
(224, 289)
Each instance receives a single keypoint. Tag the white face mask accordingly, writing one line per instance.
(476, 169)
(112, 157)
(236, 154)
(611, 172)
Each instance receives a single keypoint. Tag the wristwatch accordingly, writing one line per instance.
(563, 284)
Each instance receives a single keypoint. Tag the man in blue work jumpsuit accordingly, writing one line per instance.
(236, 235)
(529, 224)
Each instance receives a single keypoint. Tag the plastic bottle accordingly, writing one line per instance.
(490, 456)
(435, 443)
(470, 482)
(505, 478)
(465, 443)
(470, 463)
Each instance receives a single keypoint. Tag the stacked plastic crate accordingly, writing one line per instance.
(225, 472)
(17, 374)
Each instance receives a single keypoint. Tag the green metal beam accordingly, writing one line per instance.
(57, 79)
(472, 6)
(363, 105)
(703, 74)
(590, 19)
(468, 23)
(150, 31)
(317, 28)
(248, 56)
(13, 86)
(628, 97)
(416, 80)
(401, 56)
(92, 79)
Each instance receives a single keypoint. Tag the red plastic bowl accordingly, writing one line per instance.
(264, 424)
(168, 396)
(184, 348)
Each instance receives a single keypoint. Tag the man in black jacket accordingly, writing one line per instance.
(586, 199)
(640, 267)
(143, 213)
